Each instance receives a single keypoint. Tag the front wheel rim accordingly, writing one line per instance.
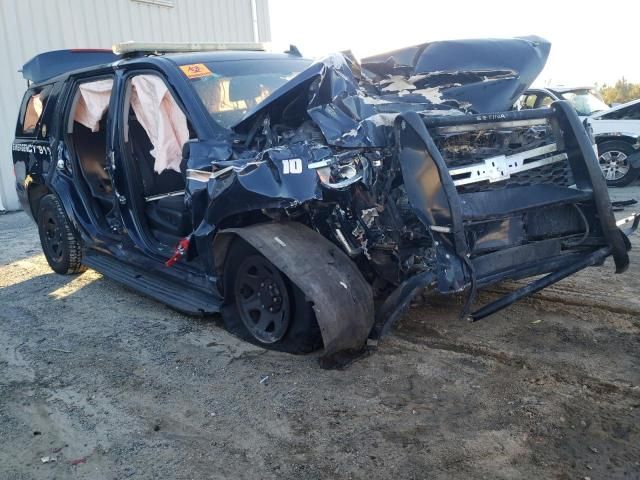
(614, 164)
(262, 298)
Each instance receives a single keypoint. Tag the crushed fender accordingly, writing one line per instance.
(342, 299)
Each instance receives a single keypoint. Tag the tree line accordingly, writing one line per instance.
(621, 92)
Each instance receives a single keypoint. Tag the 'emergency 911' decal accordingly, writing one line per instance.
(31, 148)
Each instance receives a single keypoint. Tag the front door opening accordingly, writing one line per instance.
(155, 130)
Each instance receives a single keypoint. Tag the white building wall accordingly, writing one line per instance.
(29, 27)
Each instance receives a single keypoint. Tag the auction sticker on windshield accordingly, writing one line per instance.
(195, 70)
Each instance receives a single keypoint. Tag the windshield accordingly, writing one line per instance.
(228, 89)
(586, 102)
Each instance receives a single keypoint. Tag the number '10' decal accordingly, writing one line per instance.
(292, 165)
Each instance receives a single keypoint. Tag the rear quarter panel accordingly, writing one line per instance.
(617, 127)
(33, 155)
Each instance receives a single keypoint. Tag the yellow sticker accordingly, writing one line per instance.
(195, 70)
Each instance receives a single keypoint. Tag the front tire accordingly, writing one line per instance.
(60, 245)
(263, 306)
(613, 157)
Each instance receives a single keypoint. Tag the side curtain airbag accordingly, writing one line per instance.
(93, 103)
(162, 119)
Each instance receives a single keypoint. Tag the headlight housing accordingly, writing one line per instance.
(341, 170)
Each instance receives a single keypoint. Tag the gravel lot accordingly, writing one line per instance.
(113, 385)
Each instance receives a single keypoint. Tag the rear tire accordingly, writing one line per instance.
(613, 159)
(61, 247)
(263, 306)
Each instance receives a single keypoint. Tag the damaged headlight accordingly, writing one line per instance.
(341, 170)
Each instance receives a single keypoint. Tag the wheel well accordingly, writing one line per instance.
(36, 192)
(221, 242)
(619, 138)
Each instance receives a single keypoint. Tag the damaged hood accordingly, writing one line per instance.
(483, 75)
(354, 105)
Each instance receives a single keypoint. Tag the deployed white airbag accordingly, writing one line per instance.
(162, 119)
(93, 103)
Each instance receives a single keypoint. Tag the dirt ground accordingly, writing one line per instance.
(113, 385)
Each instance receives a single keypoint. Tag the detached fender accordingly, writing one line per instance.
(342, 298)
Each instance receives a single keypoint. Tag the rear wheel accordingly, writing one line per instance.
(263, 306)
(613, 157)
(61, 248)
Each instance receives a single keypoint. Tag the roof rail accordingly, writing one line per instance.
(125, 48)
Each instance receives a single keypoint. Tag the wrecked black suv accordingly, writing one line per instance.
(294, 196)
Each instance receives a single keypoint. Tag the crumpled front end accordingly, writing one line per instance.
(404, 171)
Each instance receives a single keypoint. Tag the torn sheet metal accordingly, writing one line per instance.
(356, 107)
(277, 178)
(320, 149)
(488, 75)
(349, 112)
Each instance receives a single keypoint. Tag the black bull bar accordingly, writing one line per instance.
(450, 215)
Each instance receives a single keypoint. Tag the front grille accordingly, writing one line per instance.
(472, 147)
(555, 173)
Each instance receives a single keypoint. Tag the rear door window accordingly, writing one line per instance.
(33, 106)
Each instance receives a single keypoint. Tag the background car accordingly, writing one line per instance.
(617, 134)
(585, 100)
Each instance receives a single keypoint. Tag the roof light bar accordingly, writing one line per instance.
(144, 47)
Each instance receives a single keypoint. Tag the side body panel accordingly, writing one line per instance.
(33, 154)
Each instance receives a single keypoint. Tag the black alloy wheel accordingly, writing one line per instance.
(52, 230)
(262, 298)
(60, 244)
(263, 306)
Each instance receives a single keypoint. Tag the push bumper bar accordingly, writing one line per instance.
(595, 258)
(447, 213)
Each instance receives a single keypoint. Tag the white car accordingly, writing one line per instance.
(617, 134)
(616, 130)
(585, 100)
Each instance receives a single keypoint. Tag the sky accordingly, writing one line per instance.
(589, 45)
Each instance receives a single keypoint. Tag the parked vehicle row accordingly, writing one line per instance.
(617, 134)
